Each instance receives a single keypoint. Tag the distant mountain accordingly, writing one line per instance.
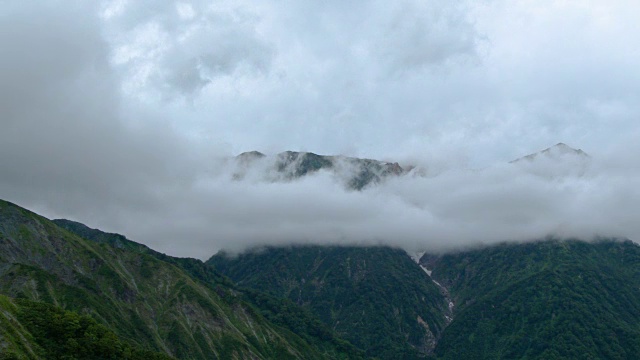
(357, 174)
(559, 151)
(354, 173)
(556, 161)
(146, 300)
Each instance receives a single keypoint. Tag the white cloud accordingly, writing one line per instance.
(177, 50)
(114, 113)
(456, 208)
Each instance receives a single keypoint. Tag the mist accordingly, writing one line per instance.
(447, 211)
(126, 116)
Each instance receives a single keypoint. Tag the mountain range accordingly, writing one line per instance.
(358, 174)
(178, 308)
(354, 173)
(68, 291)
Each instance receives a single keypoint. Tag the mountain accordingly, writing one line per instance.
(279, 311)
(146, 300)
(357, 173)
(555, 162)
(544, 300)
(70, 291)
(354, 173)
(550, 299)
(556, 152)
(376, 297)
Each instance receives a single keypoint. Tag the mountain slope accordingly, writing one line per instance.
(35, 330)
(148, 302)
(278, 311)
(16, 342)
(545, 300)
(377, 297)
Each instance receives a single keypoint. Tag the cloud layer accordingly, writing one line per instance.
(120, 114)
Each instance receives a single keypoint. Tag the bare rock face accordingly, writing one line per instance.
(145, 297)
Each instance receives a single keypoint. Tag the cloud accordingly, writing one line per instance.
(120, 115)
(179, 48)
(419, 34)
(453, 209)
(65, 142)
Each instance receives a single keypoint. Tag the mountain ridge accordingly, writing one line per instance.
(549, 299)
(359, 173)
(355, 173)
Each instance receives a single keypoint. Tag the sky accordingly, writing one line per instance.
(117, 114)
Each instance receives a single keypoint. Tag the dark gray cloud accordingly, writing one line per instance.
(120, 115)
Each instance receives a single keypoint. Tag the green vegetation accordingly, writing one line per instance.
(546, 300)
(376, 298)
(15, 340)
(71, 292)
(147, 300)
(36, 330)
(306, 162)
(298, 164)
(66, 335)
(278, 311)
(301, 321)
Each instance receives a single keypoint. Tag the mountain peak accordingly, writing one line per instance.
(559, 150)
(564, 148)
(355, 173)
(250, 155)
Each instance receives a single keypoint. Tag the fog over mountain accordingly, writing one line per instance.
(127, 116)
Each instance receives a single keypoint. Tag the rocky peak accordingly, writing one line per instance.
(558, 151)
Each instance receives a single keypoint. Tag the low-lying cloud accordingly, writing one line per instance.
(453, 209)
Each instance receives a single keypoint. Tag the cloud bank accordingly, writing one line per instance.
(436, 212)
(121, 115)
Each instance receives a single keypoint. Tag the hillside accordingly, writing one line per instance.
(279, 311)
(146, 301)
(67, 288)
(36, 330)
(377, 298)
(544, 300)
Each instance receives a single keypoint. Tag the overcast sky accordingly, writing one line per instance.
(115, 113)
